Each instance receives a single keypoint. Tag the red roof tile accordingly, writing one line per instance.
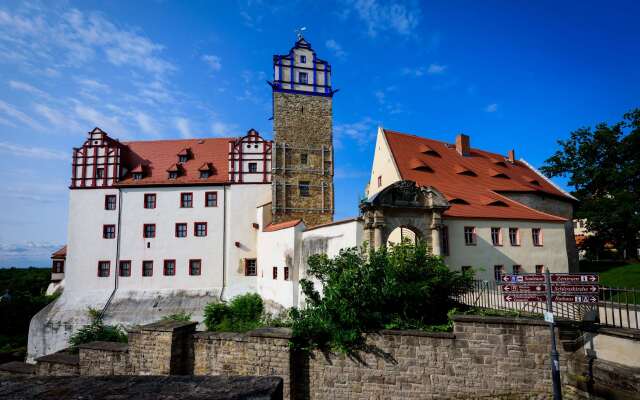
(155, 157)
(60, 253)
(281, 225)
(482, 191)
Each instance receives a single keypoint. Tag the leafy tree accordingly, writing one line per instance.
(402, 286)
(97, 330)
(603, 165)
(181, 316)
(243, 313)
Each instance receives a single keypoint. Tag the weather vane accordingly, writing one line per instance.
(299, 32)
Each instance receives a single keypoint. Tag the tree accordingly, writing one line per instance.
(400, 287)
(603, 165)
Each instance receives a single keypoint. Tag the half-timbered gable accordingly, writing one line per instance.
(301, 71)
(97, 163)
(250, 159)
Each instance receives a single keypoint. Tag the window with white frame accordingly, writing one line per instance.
(514, 236)
(470, 235)
(496, 236)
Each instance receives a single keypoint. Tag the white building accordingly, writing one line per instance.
(159, 227)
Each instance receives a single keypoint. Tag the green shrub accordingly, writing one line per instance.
(179, 316)
(401, 287)
(97, 330)
(243, 313)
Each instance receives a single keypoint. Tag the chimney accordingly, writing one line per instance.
(463, 144)
(512, 156)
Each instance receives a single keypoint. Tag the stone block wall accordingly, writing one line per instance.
(104, 358)
(62, 363)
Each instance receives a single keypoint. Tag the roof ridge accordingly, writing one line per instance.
(180, 140)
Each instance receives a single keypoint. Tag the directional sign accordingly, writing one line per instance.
(524, 298)
(575, 288)
(575, 298)
(574, 278)
(529, 278)
(523, 288)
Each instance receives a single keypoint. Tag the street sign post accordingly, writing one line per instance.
(519, 297)
(555, 357)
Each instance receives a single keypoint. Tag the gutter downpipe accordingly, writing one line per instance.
(224, 243)
(117, 266)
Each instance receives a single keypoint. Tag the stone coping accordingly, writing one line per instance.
(231, 336)
(167, 326)
(61, 357)
(498, 320)
(277, 333)
(418, 333)
(172, 387)
(105, 346)
(18, 367)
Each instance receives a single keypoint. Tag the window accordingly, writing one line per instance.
(496, 236)
(104, 268)
(303, 188)
(497, 272)
(57, 267)
(514, 236)
(149, 200)
(173, 174)
(539, 269)
(125, 268)
(186, 200)
(183, 158)
(195, 267)
(108, 231)
(149, 231)
(169, 267)
(517, 269)
(110, 202)
(250, 267)
(286, 273)
(444, 237)
(200, 229)
(136, 176)
(253, 167)
(100, 173)
(204, 174)
(181, 229)
(275, 272)
(303, 77)
(536, 235)
(303, 59)
(304, 158)
(147, 268)
(470, 235)
(380, 181)
(211, 199)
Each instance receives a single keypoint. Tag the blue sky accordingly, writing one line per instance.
(509, 74)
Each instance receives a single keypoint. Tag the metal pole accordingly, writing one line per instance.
(555, 359)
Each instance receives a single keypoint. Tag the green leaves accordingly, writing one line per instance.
(400, 287)
(97, 330)
(242, 314)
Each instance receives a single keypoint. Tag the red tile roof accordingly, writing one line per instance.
(60, 253)
(477, 179)
(155, 157)
(281, 225)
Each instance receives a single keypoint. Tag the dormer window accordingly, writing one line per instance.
(303, 59)
(204, 174)
(174, 171)
(173, 175)
(303, 77)
(136, 176)
(183, 156)
(182, 159)
(206, 170)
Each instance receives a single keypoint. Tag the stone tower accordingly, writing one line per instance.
(302, 155)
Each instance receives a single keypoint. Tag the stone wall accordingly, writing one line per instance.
(104, 358)
(62, 363)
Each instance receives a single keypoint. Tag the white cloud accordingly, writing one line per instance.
(93, 117)
(436, 69)
(145, 122)
(92, 85)
(432, 69)
(25, 87)
(362, 132)
(16, 115)
(394, 16)
(33, 152)
(336, 48)
(212, 61)
(253, 22)
(491, 108)
(219, 128)
(182, 124)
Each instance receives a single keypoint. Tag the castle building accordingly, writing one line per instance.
(166, 226)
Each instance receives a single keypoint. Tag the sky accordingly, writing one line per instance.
(510, 74)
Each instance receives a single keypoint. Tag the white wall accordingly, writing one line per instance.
(484, 255)
(383, 165)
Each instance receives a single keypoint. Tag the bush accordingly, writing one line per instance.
(399, 287)
(180, 316)
(242, 314)
(97, 330)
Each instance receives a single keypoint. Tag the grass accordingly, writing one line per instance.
(616, 275)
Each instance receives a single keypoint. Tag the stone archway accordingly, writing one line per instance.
(403, 233)
(404, 204)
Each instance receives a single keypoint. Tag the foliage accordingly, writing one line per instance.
(603, 165)
(179, 316)
(22, 295)
(97, 330)
(243, 313)
(400, 287)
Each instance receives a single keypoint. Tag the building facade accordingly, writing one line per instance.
(167, 226)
